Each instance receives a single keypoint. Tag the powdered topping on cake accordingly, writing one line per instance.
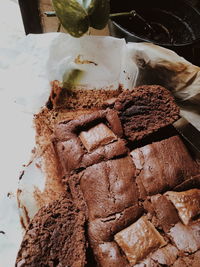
(55, 237)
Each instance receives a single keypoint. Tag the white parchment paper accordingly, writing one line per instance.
(26, 70)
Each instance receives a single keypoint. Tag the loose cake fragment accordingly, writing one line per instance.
(145, 109)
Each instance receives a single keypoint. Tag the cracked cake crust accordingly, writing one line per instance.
(115, 188)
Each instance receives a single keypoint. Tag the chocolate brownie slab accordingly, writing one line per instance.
(113, 187)
(108, 190)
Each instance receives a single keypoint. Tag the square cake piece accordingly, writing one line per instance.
(97, 136)
(139, 239)
(108, 187)
(186, 238)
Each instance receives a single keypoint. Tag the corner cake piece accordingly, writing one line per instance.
(145, 109)
(55, 237)
(183, 245)
(163, 165)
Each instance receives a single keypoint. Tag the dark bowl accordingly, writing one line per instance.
(175, 24)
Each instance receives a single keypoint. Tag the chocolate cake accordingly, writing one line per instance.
(114, 191)
(140, 207)
(55, 237)
(145, 109)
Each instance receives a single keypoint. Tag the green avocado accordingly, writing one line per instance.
(72, 77)
(72, 16)
(77, 16)
(98, 12)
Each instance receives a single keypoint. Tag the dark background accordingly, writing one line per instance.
(196, 49)
(32, 14)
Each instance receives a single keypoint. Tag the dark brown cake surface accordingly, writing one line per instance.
(141, 206)
(55, 237)
(145, 109)
(122, 229)
(163, 165)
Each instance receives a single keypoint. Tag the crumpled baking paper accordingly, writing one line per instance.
(26, 70)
